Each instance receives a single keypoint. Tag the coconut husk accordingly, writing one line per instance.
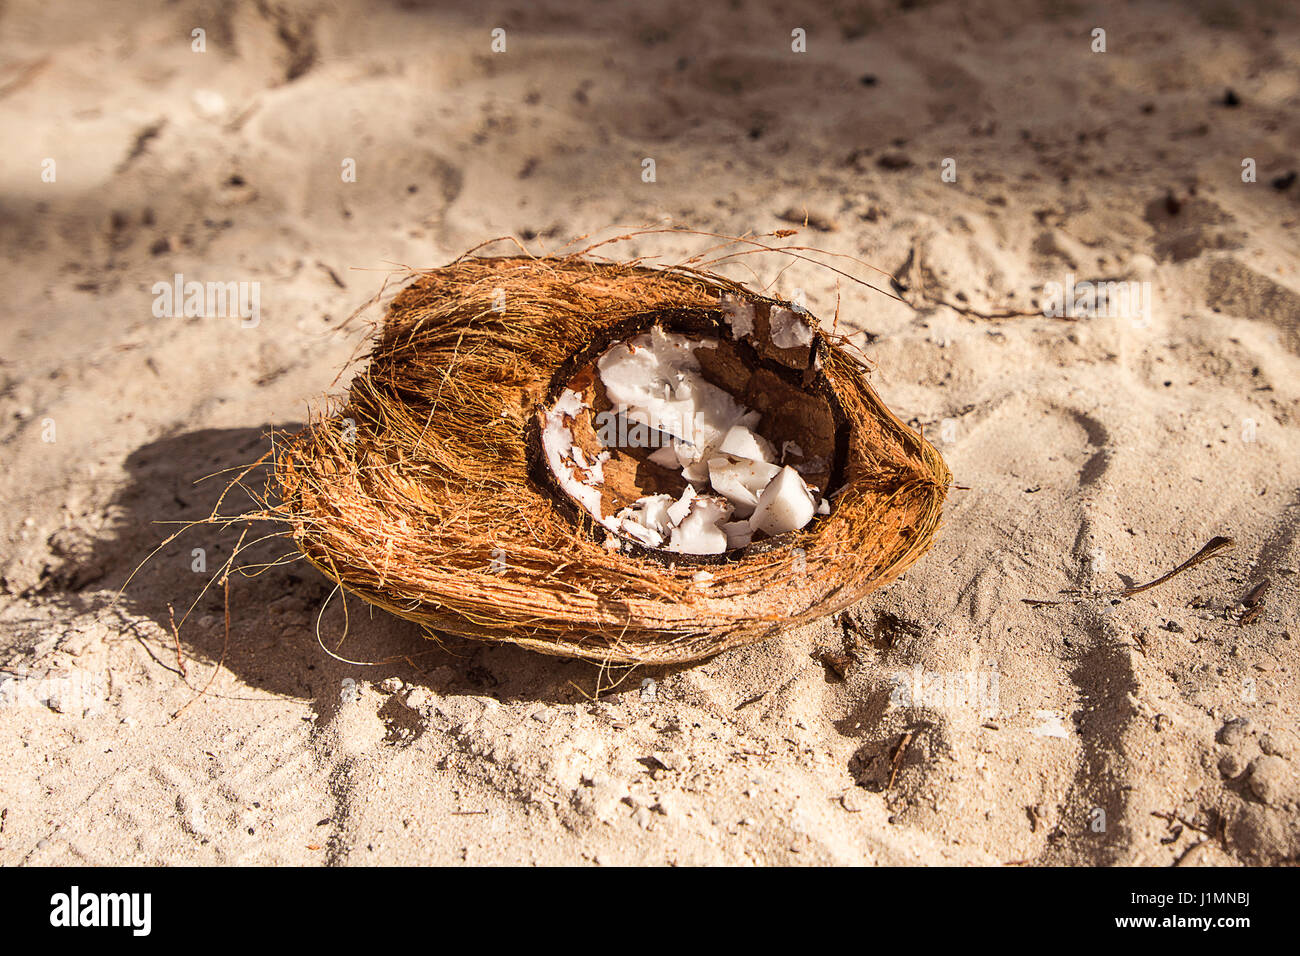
(423, 492)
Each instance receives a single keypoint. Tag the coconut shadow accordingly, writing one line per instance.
(275, 611)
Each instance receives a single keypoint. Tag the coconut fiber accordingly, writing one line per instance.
(423, 492)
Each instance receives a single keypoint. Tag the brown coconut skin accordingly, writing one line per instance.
(422, 492)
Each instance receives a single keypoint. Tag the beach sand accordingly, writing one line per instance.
(1091, 450)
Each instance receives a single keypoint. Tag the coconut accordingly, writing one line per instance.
(550, 452)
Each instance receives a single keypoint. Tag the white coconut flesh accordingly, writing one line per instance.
(737, 482)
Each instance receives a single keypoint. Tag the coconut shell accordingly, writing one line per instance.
(424, 492)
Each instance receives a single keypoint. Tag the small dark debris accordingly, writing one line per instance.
(893, 161)
(836, 662)
(1230, 97)
(1255, 596)
(890, 630)
(801, 216)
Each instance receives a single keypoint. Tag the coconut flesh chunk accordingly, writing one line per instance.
(735, 486)
(557, 442)
(740, 481)
(742, 442)
(785, 505)
(700, 532)
(739, 314)
(788, 330)
(677, 512)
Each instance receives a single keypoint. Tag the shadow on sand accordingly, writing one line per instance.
(276, 602)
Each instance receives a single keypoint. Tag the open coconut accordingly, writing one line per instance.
(684, 439)
(607, 461)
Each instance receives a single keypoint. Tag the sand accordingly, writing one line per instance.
(941, 721)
